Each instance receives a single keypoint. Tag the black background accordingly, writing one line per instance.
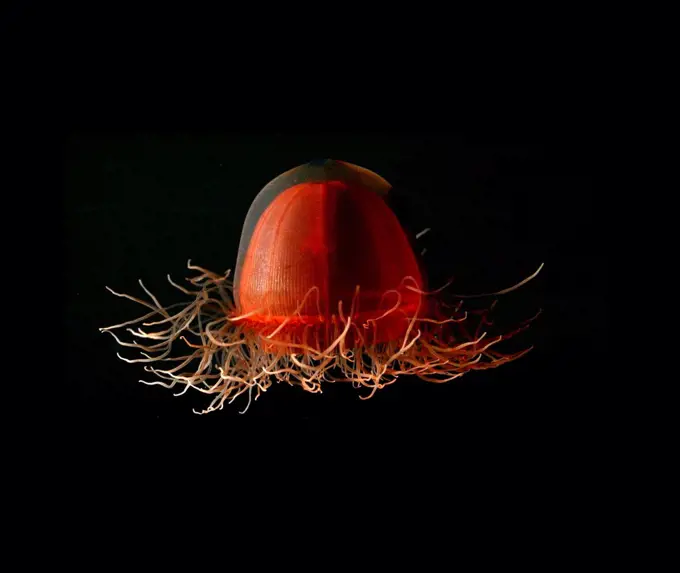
(139, 143)
(138, 204)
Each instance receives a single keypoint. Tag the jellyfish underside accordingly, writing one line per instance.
(224, 355)
(234, 338)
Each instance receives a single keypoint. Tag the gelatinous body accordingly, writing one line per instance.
(326, 239)
(327, 288)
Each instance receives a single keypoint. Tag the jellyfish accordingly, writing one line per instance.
(327, 288)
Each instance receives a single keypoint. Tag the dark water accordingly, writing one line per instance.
(138, 205)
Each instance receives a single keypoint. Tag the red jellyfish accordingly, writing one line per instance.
(326, 288)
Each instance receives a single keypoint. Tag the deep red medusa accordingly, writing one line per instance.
(327, 288)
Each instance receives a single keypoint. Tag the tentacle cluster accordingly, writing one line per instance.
(224, 355)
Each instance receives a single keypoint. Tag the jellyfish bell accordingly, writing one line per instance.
(326, 288)
(320, 244)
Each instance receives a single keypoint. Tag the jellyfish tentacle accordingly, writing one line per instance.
(232, 358)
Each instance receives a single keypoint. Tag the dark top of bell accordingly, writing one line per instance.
(319, 162)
